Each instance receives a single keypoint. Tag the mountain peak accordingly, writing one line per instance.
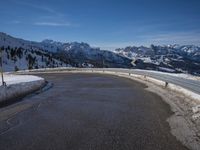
(48, 41)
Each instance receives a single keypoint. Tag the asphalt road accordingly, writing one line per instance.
(88, 112)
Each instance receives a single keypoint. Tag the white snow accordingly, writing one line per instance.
(17, 79)
(22, 63)
(19, 85)
(181, 75)
(166, 69)
(196, 109)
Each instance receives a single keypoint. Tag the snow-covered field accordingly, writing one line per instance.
(19, 85)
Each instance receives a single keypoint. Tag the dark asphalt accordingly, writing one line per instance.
(88, 112)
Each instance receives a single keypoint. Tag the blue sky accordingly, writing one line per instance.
(104, 23)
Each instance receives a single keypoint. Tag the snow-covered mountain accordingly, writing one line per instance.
(22, 59)
(56, 54)
(170, 58)
(19, 54)
(24, 54)
(48, 45)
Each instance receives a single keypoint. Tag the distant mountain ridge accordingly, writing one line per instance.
(170, 58)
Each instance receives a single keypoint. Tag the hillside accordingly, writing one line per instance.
(23, 54)
(171, 58)
(15, 59)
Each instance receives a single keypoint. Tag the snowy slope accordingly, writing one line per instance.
(170, 58)
(15, 59)
(72, 53)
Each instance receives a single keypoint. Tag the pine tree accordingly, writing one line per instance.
(16, 68)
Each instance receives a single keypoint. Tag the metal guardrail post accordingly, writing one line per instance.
(1, 64)
(166, 84)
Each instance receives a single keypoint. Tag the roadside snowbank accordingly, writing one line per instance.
(19, 86)
(16, 79)
(182, 75)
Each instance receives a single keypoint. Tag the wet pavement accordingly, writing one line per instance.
(88, 112)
